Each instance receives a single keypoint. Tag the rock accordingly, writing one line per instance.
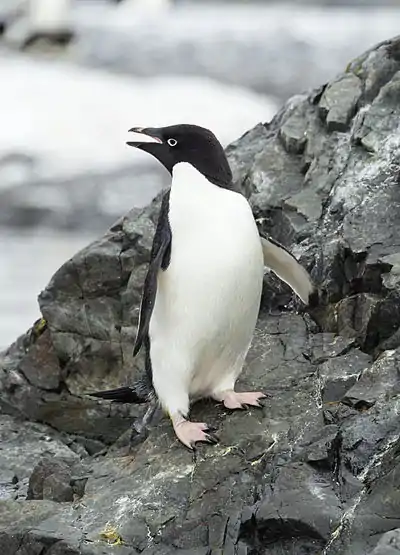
(339, 374)
(389, 544)
(57, 407)
(316, 470)
(372, 512)
(293, 133)
(338, 103)
(23, 444)
(297, 514)
(375, 382)
(50, 480)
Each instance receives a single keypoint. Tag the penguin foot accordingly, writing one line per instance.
(241, 400)
(189, 433)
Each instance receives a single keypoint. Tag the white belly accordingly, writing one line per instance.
(208, 299)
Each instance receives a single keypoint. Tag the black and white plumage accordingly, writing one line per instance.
(36, 20)
(202, 291)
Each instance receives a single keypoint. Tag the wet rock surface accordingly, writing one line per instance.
(317, 469)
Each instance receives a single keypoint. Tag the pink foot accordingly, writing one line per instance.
(239, 400)
(189, 433)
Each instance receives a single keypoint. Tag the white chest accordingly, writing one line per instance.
(208, 298)
(216, 253)
(204, 216)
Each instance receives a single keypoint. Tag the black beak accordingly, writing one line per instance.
(150, 136)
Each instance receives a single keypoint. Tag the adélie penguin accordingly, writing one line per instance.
(202, 292)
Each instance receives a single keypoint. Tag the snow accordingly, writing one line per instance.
(74, 119)
(240, 20)
(273, 47)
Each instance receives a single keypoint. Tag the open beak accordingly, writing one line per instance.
(147, 135)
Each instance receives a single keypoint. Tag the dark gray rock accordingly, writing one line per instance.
(22, 445)
(339, 374)
(22, 370)
(375, 382)
(339, 102)
(389, 544)
(316, 470)
(296, 515)
(51, 479)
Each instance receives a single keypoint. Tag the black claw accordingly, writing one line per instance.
(212, 438)
(210, 429)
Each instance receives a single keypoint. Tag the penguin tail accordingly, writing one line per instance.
(137, 394)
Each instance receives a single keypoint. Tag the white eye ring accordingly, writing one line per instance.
(172, 142)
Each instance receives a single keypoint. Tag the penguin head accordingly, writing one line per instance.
(186, 143)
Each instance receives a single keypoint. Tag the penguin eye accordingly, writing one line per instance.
(172, 142)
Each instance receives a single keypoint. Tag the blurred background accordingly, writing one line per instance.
(77, 74)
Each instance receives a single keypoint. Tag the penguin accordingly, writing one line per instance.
(36, 20)
(202, 292)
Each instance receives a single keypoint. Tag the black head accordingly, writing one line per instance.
(186, 143)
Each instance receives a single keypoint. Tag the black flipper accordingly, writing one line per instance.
(160, 255)
(135, 395)
(159, 259)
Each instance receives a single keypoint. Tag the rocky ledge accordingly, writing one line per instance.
(317, 470)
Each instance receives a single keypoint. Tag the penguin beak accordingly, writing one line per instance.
(147, 135)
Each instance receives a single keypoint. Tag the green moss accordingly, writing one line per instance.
(356, 68)
(39, 327)
(348, 68)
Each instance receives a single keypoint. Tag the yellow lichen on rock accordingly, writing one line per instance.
(111, 535)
